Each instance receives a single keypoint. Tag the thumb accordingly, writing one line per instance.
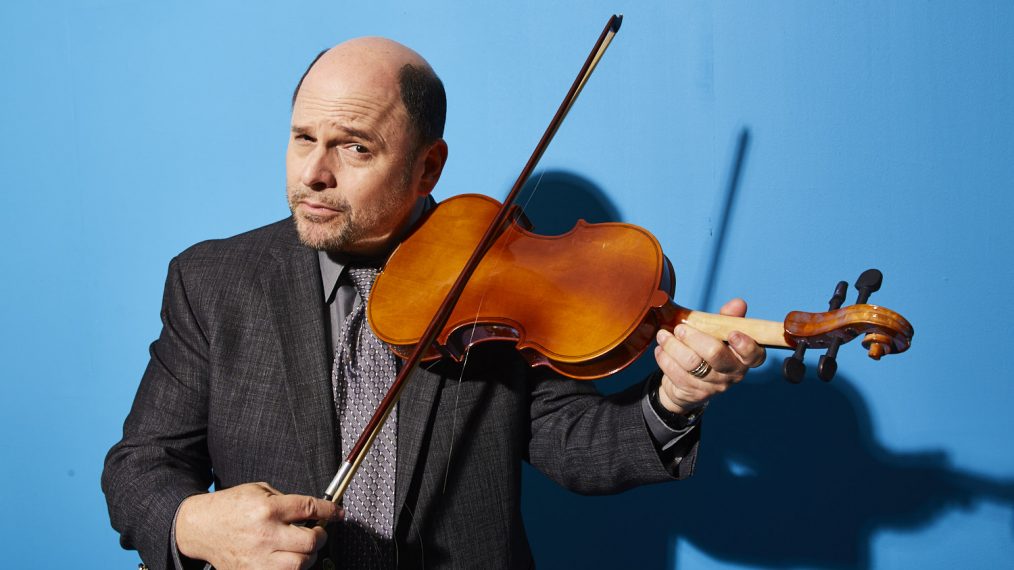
(296, 508)
(734, 308)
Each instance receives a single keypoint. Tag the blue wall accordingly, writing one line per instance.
(848, 135)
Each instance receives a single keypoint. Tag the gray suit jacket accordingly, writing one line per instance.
(238, 390)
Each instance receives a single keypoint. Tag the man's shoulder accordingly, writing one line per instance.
(226, 271)
(243, 248)
(237, 262)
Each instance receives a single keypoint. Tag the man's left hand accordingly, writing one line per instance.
(687, 349)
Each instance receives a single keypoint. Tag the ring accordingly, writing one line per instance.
(702, 369)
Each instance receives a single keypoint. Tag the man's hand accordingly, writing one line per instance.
(686, 348)
(249, 526)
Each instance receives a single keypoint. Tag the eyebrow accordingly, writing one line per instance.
(348, 131)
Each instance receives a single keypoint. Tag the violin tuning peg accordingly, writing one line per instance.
(840, 291)
(793, 368)
(828, 364)
(878, 345)
(868, 283)
(826, 368)
(877, 351)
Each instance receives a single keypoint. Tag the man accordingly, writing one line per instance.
(237, 392)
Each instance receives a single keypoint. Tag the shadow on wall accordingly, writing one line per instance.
(788, 475)
(554, 200)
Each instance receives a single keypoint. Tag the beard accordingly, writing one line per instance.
(341, 232)
(332, 233)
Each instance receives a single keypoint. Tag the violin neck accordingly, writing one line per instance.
(767, 333)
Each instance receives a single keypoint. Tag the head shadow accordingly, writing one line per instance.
(788, 475)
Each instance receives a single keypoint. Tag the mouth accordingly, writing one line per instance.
(319, 209)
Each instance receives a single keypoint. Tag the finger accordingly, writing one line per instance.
(319, 537)
(297, 508)
(268, 488)
(291, 560)
(707, 348)
(678, 387)
(300, 540)
(746, 349)
(684, 357)
(734, 308)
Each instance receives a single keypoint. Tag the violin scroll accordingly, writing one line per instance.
(886, 332)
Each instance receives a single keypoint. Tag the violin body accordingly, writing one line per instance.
(574, 302)
(586, 303)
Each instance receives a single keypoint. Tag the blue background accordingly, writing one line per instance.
(832, 136)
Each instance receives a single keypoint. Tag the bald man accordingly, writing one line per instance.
(241, 392)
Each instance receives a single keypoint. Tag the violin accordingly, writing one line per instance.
(585, 304)
(472, 272)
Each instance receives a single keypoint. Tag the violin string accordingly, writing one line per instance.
(457, 392)
(468, 349)
(478, 310)
(461, 379)
(482, 299)
(418, 532)
(531, 195)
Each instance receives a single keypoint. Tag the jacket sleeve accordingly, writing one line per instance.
(163, 456)
(594, 444)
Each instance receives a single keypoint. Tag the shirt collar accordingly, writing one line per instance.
(332, 265)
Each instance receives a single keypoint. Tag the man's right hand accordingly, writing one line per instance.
(250, 526)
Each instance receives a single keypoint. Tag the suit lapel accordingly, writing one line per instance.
(415, 409)
(292, 286)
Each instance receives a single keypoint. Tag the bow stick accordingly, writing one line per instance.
(336, 489)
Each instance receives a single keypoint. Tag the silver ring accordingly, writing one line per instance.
(702, 369)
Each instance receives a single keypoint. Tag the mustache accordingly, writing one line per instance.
(297, 195)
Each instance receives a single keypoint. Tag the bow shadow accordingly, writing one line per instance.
(788, 475)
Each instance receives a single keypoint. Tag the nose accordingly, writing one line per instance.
(318, 173)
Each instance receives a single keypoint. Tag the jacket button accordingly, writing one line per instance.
(328, 565)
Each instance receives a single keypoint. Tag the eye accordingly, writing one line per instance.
(302, 137)
(360, 149)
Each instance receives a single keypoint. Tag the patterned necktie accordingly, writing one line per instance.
(364, 369)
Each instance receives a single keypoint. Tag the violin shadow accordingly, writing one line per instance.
(554, 200)
(788, 476)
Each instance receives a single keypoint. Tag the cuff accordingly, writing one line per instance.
(181, 561)
(665, 437)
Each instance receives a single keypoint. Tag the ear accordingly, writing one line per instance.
(433, 160)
